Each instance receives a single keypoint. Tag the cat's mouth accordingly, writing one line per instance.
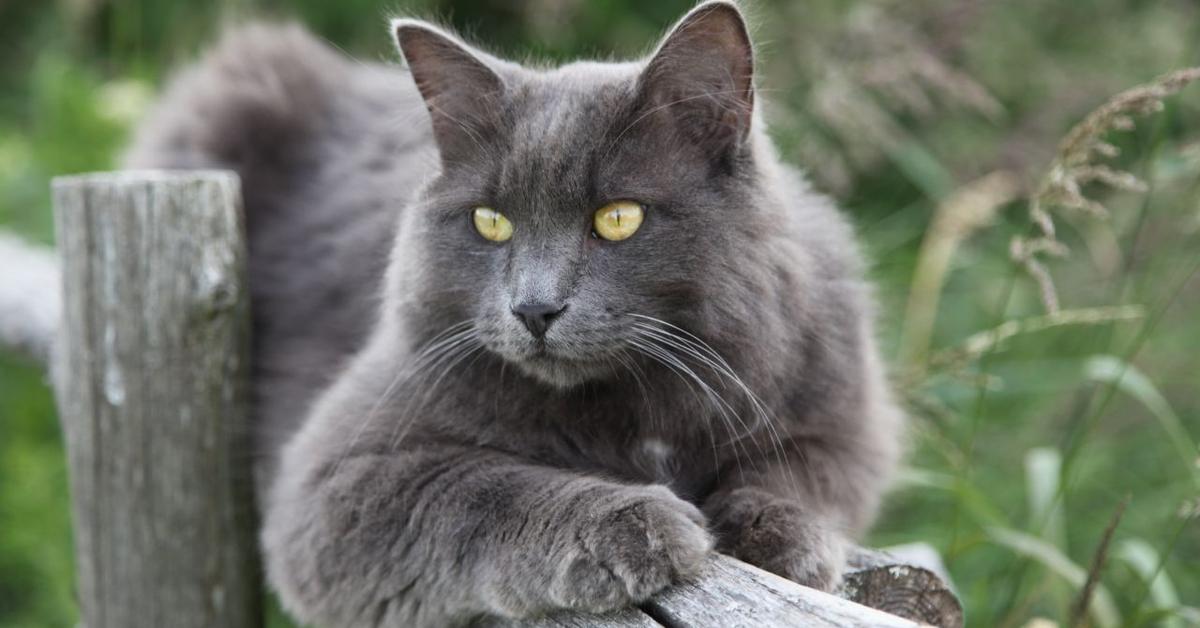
(547, 356)
(551, 365)
(561, 373)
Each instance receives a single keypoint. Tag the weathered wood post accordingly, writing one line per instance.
(150, 373)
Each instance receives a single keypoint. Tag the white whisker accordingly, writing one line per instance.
(664, 356)
(454, 354)
(691, 345)
(434, 347)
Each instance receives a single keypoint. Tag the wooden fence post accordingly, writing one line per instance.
(151, 377)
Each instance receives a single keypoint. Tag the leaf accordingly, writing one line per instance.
(1102, 608)
(973, 501)
(1143, 559)
(1043, 467)
(1127, 378)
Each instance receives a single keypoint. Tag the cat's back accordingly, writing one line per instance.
(328, 150)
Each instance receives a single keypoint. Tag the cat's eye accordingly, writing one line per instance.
(619, 220)
(492, 225)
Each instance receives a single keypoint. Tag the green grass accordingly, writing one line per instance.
(1019, 458)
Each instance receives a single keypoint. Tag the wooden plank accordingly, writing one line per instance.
(150, 376)
(733, 594)
(730, 593)
(628, 618)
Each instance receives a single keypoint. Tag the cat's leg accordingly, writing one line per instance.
(797, 518)
(819, 478)
(440, 534)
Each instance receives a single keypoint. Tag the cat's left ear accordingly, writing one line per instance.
(702, 76)
(459, 86)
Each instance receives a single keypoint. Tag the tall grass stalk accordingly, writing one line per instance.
(1075, 166)
(971, 208)
(1099, 558)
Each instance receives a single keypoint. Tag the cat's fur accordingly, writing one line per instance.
(495, 474)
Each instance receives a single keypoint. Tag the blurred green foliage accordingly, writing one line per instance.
(1019, 457)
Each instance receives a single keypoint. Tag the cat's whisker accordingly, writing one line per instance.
(722, 406)
(642, 378)
(467, 344)
(728, 414)
(708, 356)
(434, 345)
(406, 420)
(738, 438)
(694, 346)
(499, 386)
(666, 348)
(405, 414)
(639, 378)
(643, 349)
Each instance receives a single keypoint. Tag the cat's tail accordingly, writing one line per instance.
(320, 143)
(252, 104)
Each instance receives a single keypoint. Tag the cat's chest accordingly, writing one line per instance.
(657, 458)
(653, 459)
(632, 438)
(639, 451)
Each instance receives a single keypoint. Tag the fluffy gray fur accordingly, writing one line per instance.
(426, 460)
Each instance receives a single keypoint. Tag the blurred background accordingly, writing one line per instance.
(1051, 373)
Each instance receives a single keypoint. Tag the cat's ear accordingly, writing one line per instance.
(702, 76)
(459, 87)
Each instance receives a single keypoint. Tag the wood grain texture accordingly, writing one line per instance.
(733, 594)
(910, 583)
(628, 618)
(150, 376)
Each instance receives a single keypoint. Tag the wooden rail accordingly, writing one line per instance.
(151, 377)
(732, 594)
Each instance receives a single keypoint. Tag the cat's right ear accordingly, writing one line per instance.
(702, 77)
(459, 88)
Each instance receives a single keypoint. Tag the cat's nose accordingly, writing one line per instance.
(538, 316)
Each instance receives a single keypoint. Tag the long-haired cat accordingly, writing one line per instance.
(534, 338)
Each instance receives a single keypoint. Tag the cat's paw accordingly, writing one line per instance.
(780, 536)
(632, 547)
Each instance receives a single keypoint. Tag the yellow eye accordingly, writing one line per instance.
(492, 225)
(619, 220)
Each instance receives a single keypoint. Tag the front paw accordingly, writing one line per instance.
(630, 545)
(780, 536)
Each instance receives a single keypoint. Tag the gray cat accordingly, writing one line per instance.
(530, 339)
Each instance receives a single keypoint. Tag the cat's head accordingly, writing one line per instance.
(581, 207)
